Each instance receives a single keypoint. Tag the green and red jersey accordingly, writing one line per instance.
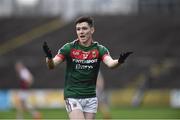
(82, 68)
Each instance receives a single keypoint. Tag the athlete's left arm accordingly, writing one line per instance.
(110, 62)
(113, 63)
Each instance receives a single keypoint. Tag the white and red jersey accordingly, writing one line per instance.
(25, 78)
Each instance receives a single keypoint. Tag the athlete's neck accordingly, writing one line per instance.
(86, 44)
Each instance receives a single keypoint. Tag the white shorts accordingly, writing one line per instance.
(84, 104)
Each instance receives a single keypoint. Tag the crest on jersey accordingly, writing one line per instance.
(75, 53)
(94, 54)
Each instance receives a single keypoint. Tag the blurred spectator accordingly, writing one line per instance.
(26, 80)
(156, 72)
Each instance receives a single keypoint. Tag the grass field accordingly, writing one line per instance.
(117, 113)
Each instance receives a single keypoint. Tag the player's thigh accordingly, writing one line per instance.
(89, 116)
(76, 114)
(91, 105)
(72, 104)
(74, 108)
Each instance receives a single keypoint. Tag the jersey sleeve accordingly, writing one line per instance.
(103, 52)
(64, 51)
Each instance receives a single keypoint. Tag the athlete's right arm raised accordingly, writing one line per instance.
(51, 62)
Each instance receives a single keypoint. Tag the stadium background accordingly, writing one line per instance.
(150, 28)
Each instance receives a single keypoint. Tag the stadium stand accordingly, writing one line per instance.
(12, 27)
(153, 39)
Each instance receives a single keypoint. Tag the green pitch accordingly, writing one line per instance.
(117, 113)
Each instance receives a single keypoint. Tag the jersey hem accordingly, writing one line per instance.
(79, 97)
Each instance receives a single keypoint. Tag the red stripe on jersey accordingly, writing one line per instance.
(104, 56)
(60, 56)
(82, 55)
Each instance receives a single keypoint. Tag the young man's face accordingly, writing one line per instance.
(84, 32)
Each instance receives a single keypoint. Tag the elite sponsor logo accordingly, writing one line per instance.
(83, 59)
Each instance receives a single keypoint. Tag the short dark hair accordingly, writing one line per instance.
(87, 19)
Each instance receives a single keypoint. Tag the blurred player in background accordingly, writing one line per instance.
(26, 80)
(83, 57)
(102, 97)
(154, 73)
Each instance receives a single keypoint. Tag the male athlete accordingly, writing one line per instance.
(26, 80)
(83, 57)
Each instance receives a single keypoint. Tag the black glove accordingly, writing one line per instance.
(123, 57)
(47, 51)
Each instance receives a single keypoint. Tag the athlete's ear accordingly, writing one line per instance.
(92, 30)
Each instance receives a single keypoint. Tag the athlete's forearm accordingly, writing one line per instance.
(111, 63)
(50, 63)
